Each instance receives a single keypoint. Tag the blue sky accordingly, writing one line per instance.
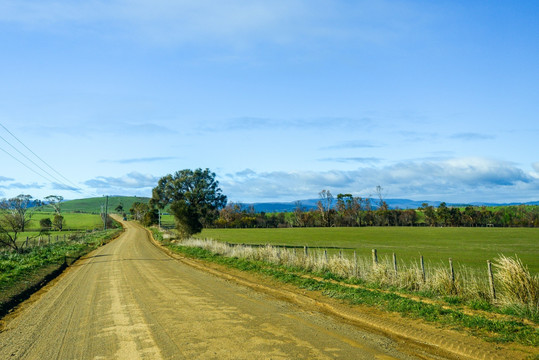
(431, 100)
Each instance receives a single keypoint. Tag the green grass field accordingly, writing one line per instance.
(72, 220)
(467, 246)
(93, 205)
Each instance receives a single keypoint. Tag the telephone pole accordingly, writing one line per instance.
(106, 210)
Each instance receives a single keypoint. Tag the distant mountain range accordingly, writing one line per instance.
(392, 203)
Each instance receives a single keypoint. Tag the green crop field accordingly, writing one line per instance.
(466, 246)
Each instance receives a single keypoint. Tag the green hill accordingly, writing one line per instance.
(93, 205)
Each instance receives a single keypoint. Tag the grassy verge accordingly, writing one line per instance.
(23, 273)
(487, 327)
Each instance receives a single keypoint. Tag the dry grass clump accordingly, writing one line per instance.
(516, 283)
(410, 277)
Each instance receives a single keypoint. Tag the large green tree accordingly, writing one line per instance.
(194, 197)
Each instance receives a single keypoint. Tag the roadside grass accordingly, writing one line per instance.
(21, 272)
(470, 247)
(366, 292)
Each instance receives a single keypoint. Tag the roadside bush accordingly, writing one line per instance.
(45, 224)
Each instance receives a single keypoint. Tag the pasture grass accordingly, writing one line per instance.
(93, 205)
(75, 221)
(470, 247)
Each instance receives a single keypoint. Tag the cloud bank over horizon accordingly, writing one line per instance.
(452, 180)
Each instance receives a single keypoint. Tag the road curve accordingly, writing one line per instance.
(129, 300)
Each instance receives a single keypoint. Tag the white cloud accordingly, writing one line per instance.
(4, 179)
(535, 166)
(21, 186)
(466, 179)
(133, 180)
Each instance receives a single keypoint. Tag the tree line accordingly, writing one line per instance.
(349, 211)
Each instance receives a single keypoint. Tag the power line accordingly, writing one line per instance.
(27, 158)
(43, 161)
(28, 167)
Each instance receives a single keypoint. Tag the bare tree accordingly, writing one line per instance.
(55, 201)
(324, 206)
(14, 217)
(299, 218)
(19, 206)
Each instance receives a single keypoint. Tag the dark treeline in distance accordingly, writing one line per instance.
(351, 211)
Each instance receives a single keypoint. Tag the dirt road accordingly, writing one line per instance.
(129, 300)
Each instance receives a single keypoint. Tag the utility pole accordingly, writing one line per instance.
(106, 210)
(159, 212)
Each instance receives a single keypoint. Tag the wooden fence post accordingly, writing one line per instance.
(374, 257)
(326, 255)
(356, 268)
(306, 251)
(452, 270)
(491, 280)
(423, 268)
(395, 263)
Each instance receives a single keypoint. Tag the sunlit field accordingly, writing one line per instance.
(466, 246)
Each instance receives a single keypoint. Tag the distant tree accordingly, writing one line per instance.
(55, 201)
(443, 213)
(382, 213)
(299, 214)
(138, 210)
(408, 217)
(324, 206)
(151, 217)
(45, 224)
(349, 210)
(58, 222)
(194, 197)
(19, 206)
(120, 208)
(430, 214)
(14, 216)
